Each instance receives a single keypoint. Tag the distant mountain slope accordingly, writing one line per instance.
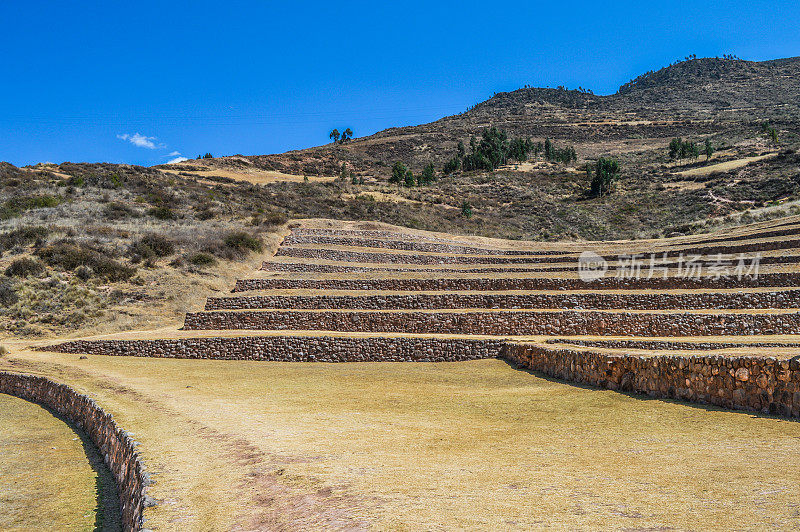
(696, 97)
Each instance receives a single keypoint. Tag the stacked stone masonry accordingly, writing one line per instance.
(116, 446)
(567, 300)
(295, 348)
(409, 245)
(502, 322)
(529, 283)
(397, 258)
(761, 384)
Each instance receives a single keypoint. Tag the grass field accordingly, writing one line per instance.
(431, 446)
(52, 479)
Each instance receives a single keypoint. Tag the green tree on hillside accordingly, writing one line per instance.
(675, 147)
(334, 135)
(399, 171)
(708, 149)
(605, 174)
(427, 176)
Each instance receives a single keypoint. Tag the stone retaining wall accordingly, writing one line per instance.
(373, 233)
(529, 283)
(394, 258)
(294, 348)
(409, 245)
(502, 322)
(398, 258)
(750, 383)
(300, 267)
(116, 446)
(667, 344)
(649, 301)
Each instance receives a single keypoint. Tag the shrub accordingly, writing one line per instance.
(466, 210)
(162, 213)
(242, 242)
(16, 206)
(24, 267)
(70, 256)
(116, 211)
(23, 236)
(201, 259)
(8, 295)
(84, 273)
(153, 245)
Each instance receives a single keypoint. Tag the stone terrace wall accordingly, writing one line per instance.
(351, 268)
(530, 283)
(752, 383)
(406, 245)
(117, 448)
(398, 258)
(502, 322)
(369, 257)
(756, 235)
(367, 233)
(650, 301)
(294, 348)
(666, 344)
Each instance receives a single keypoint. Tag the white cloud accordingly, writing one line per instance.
(177, 160)
(174, 154)
(141, 141)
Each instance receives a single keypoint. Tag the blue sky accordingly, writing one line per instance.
(141, 82)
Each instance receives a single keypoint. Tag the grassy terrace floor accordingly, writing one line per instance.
(247, 445)
(49, 477)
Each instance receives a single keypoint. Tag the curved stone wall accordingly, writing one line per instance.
(116, 446)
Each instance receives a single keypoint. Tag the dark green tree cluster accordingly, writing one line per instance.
(206, 156)
(606, 173)
(683, 149)
(770, 131)
(402, 175)
(492, 151)
(340, 138)
(553, 153)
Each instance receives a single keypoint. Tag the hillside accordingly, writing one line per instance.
(147, 235)
(697, 97)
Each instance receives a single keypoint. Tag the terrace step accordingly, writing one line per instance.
(505, 322)
(516, 283)
(409, 245)
(295, 348)
(348, 255)
(562, 300)
(704, 263)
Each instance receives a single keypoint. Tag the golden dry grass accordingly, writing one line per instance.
(410, 446)
(46, 479)
(724, 167)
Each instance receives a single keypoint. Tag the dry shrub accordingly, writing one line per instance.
(70, 255)
(152, 246)
(24, 267)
